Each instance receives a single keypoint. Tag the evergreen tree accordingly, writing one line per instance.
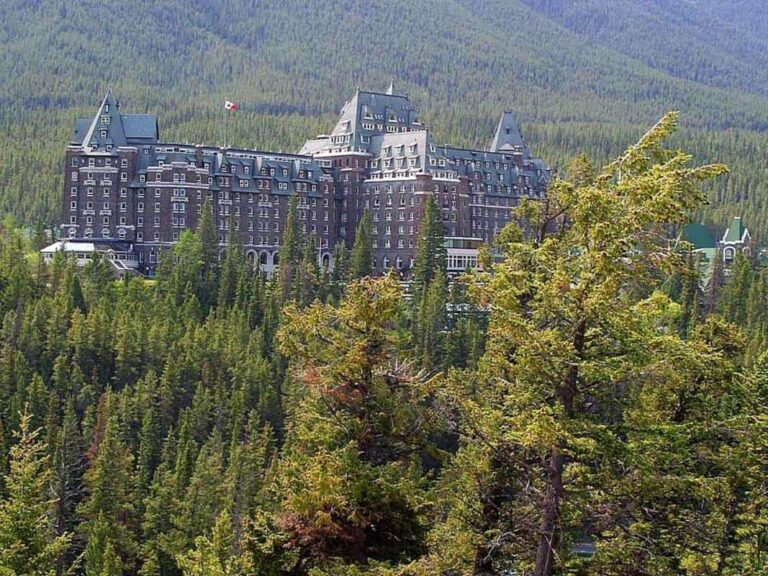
(109, 512)
(28, 542)
(349, 481)
(430, 260)
(570, 338)
(361, 261)
(291, 250)
(209, 246)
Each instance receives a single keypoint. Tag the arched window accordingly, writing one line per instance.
(386, 262)
(263, 258)
(72, 232)
(88, 232)
(326, 260)
(275, 259)
(728, 254)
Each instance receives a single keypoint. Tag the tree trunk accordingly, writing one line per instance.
(549, 531)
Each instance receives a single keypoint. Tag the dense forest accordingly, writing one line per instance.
(586, 75)
(584, 404)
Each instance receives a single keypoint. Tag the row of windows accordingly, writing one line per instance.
(106, 206)
(93, 162)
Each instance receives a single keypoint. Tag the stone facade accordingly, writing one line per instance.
(123, 183)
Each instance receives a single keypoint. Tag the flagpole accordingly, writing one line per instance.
(221, 125)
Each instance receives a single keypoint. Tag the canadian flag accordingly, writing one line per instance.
(229, 105)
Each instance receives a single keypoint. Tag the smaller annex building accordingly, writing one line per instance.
(735, 240)
(119, 255)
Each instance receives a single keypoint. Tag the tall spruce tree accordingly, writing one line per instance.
(28, 542)
(430, 260)
(291, 250)
(209, 240)
(361, 260)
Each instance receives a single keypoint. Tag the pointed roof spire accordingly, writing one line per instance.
(107, 128)
(508, 135)
(391, 89)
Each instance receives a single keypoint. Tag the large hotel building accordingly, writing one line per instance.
(130, 195)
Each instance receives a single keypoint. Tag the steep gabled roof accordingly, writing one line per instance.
(736, 231)
(508, 137)
(111, 128)
(106, 128)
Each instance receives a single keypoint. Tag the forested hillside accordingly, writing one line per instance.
(584, 405)
(581, 75)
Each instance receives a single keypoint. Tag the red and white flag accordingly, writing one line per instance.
(229, 105)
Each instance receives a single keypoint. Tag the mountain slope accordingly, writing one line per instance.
(599, 70)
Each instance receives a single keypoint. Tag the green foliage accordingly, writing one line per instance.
(361, 261)
(203, 423)
(28, 544)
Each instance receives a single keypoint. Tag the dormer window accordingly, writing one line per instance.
(106, 119)
(103, 134)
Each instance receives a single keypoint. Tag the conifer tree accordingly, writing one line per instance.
(570, 342)
(230, 267)
(361, 261)
(209, 245)
(28, 542)
(110, 510)
(430, 260)
(349, 481)
(291, 249)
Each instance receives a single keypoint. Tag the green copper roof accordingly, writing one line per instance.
(735, 232)
(697, 235)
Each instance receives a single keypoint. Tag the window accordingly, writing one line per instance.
(73, 205)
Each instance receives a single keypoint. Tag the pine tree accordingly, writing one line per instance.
(111, 504)
(230, 268)
(361, 261)
(430, 257)
(209, 241)
(290, 252)
(28, 542)
(349, 481)
(214, 555)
